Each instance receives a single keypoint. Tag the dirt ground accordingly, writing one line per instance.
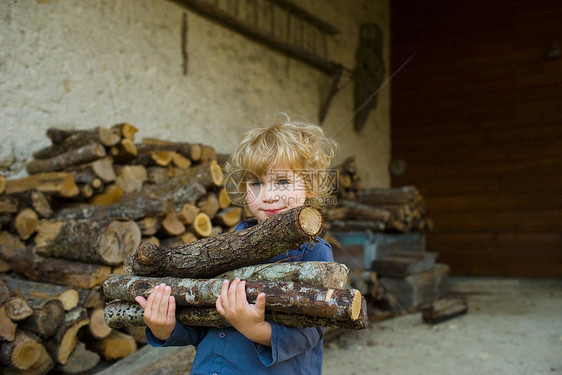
(512, 327)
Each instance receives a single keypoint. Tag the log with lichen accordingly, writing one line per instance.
(341, 304)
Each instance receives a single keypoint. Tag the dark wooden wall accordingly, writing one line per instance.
(477, 115)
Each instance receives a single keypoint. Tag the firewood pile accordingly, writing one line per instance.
(380, 235)
(399, 210)
(90, 199)
(96, 199)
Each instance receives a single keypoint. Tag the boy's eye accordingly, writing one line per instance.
(255, 183)
(283, 182)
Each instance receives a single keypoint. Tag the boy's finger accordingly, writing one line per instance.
(260, 303)
(241, 292)
(157, 299)
(150, 302)
(232, 292)
(164, 302)
(141, 301)
(171, 308)
(224, 294)
(218, 304)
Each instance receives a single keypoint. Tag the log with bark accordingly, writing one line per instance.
(340, 304)
(102, 242)
(192, 151)
(321, 274)
(33, 198)
(121, 314)
(21, 353)
(68, 296)
(135, 206)
(70, 158)
(214, 255)
(64, 141)
(62, 344)
(47, 316)
(61, 183)
(26, 262)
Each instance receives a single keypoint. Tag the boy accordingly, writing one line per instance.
(273, 169)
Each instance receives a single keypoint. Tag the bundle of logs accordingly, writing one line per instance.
(382, 210)
(299, 294)
(91, 198)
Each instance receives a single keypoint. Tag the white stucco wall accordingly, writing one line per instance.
(80, 64)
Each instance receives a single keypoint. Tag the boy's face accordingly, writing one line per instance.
(280, 189)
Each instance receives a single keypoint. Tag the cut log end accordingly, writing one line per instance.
(310, 220)
(202, 225)
(26, 352)
(119, 241)
(216, 173)
(356, 305)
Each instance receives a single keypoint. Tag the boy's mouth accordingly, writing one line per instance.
(272, 212)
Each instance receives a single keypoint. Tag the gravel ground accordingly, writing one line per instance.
(512, 327)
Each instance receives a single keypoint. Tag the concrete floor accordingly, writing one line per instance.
(512, 327)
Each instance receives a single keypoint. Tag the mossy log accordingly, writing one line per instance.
(322, 274)
(340, 304)
(213, 255)
(121, 314)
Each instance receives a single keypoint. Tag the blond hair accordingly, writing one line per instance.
(301, 146)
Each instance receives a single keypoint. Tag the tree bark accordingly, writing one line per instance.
(341, 304)
(75, 140)
(207, 174)
(132, 208)
(214, 255)
(320, 274)
(121, 314)
(57, 271)
(136, 206)
(70, 158)
(109, 242)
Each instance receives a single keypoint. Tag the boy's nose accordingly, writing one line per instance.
(270, 196)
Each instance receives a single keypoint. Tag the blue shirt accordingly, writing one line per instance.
(225, 351)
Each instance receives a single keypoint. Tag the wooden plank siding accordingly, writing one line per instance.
(477, 115)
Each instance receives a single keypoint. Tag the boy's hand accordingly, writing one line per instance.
(248, 319)
(159, 311)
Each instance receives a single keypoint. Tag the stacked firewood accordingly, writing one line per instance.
(91, 198)
(383, 210)
(299, 294)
